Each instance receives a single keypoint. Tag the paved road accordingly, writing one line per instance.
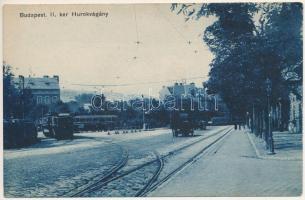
(234, 170)
(52, 168)
(52, 174)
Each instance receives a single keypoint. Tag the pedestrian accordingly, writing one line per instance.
(239, 125)
(235, 126)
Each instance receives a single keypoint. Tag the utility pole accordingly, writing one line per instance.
(143, 113)
(205, 99)
(205, 95)
(280, 115)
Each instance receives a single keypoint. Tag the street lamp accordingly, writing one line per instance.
(270, 135)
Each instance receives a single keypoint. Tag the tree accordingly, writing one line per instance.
(229, 38)
(9, 92)
(84, 98)
(17, 101)
(248, 51)
(283, 31)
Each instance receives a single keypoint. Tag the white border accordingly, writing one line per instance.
(3, 2)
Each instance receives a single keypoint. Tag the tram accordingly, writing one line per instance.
(182, 123)
(58, 126)
(94, 122)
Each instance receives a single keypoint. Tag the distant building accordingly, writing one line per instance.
(179, 90)
(87, 107)
(211, 103)
(295, 94)
(45, 90)
(185, 93)
(295, 111)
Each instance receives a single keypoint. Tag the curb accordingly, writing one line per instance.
(267, 157)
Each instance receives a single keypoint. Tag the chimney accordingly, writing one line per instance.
(45, 76)
(56, 77)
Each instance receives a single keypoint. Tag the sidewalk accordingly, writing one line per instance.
(235, 170)
(287, 146)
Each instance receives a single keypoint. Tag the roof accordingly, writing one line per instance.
(95, 116)
(35, 83)
(180, 90)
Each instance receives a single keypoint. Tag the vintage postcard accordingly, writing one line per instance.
(153, 100)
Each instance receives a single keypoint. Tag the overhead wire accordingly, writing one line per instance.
(136, 57)
(172, 25)
(138, 83)
(184, 38)
(136, 24)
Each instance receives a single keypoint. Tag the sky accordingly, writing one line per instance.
(103, 50)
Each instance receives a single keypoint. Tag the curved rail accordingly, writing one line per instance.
(110, 177)
(197, 141)
(105, 182)
(185, 164)
(153, 179)
(87, 187)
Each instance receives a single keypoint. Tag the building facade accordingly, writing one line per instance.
(211, 104)
(295, 113)
(45, 90)
(179, 90)
(295, 95)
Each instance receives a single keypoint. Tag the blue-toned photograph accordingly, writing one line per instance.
(153, 100)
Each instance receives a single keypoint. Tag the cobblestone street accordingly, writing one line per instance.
(54, 168)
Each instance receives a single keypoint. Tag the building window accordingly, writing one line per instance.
(47, 100)
(39, 99)
(54, 99)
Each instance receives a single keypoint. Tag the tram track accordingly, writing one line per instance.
(195, 142)
(117, 171)
(83, 188)
(153, 179)
(191, 160)
(125, 174)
